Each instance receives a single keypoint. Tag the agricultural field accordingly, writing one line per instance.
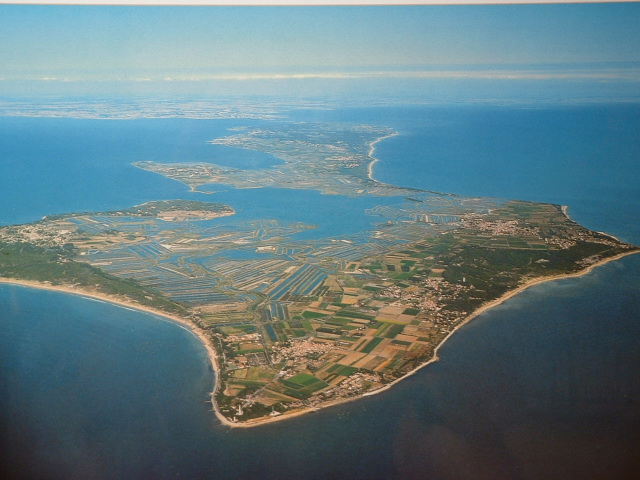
(301, 321)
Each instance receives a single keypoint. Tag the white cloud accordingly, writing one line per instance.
(631, 74)
(583, 74)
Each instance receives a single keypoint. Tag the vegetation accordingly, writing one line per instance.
(56, 266)
(314, 322)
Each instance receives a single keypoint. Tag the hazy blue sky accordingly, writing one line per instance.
(316, 49)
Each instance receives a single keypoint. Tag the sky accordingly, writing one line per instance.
(395, 50)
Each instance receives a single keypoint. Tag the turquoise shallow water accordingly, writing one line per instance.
(544, 386)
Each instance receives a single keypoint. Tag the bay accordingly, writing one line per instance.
(63, 165)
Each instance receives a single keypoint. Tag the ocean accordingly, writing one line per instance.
(545, 385)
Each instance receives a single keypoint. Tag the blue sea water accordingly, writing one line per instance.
(54, 165)
(70, 165)
(583, 157)
(544, 386)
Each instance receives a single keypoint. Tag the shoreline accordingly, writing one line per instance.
(498, 301)
(565, 211)
(372, 149)
(193, 328)
(213, 358)
(434, 358)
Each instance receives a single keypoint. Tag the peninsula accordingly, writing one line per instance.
(295, 323)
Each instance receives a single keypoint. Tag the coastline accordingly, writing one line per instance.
(213, 359)
(483, 308)
(197, 331)
(498, 301)
(372, 149)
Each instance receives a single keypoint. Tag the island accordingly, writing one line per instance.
(292, 322)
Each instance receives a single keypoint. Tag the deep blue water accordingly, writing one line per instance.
(582, 157)
(545, 386)
(67, 165)
(89, 387)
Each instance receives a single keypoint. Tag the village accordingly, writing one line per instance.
(300, 320)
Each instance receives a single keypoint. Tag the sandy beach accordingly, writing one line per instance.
(372, 148)
(213, 358)
(197, 331)
(435, 358)
(496, 302)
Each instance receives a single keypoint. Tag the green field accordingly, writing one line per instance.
(302, 385)
(371, 345)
